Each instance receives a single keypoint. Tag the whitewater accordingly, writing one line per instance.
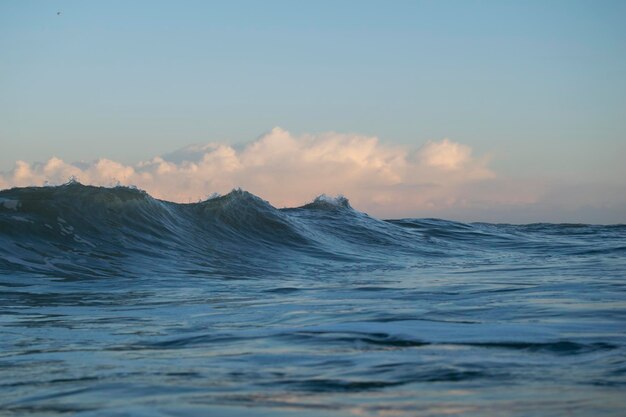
(113, 303)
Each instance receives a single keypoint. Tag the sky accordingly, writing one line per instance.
(469, 110)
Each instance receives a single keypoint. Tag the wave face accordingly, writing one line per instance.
(115, 303)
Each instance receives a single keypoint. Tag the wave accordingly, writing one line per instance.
(75, 230)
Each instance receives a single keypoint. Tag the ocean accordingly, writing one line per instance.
(113, 303)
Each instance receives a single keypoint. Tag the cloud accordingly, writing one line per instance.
(290, 170)
(438, 179)
(445, 154)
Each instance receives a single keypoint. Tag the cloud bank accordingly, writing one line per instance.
(440, 178)
(287, 170)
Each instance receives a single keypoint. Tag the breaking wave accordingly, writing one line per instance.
(86, 231)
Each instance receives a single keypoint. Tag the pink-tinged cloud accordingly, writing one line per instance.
(445, 154)
(438, 179)
(289, 170)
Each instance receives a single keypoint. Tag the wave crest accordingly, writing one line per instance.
(324, 202)
(74, 230)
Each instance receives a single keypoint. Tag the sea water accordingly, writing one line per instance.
(113, 303)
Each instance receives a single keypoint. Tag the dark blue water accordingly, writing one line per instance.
(113, 303)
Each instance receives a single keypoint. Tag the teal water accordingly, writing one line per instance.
(113, 303)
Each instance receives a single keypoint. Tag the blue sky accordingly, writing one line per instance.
(538, 86)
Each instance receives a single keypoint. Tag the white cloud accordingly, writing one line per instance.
(290, 170)
(445, 154)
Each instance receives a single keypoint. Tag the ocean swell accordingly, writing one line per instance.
(116, 303)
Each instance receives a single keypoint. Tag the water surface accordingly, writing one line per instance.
(113, 303)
